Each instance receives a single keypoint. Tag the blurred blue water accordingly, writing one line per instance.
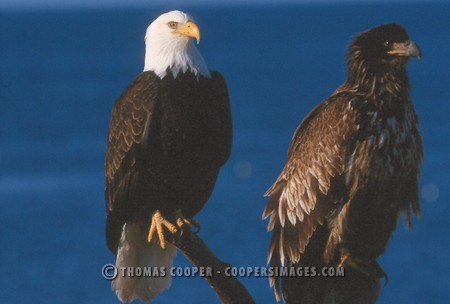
(60, 73)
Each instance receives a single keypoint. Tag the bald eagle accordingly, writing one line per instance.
(170, 133)
(353, 166)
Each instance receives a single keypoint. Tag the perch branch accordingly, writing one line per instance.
(228, 289)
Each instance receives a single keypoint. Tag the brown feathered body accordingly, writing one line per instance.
(353, 166)
(167, 140)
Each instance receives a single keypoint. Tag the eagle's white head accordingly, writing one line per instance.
(169, 45)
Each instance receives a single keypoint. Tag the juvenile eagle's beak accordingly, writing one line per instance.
(407, 48)
(189, 29)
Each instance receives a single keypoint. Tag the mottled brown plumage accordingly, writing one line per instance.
(167, 140)
(353, 166)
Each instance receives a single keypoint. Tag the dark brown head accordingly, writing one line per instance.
(383, 49)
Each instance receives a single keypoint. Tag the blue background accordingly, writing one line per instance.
(61, 71)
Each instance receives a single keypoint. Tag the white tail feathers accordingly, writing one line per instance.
(134, 251)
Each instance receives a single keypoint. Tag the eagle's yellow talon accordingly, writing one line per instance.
(157, 229)
(182, 221)
(344, 256)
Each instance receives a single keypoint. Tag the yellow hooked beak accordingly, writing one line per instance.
(189, 29)
(408, 48)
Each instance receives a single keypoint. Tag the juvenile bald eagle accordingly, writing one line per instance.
(353, 166)
(169, 135)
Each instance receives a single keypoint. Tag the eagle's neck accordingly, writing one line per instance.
(176, 56)
(373, 77)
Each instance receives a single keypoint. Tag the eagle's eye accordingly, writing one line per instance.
(173, 24)
(386, 43)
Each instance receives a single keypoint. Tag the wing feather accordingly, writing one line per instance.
(129, 130)
(311, 182)
(219, 107)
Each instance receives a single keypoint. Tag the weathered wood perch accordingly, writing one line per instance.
(228, 289)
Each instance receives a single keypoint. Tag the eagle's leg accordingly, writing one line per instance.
(371, 269)
(344, 256)
(157, 229)
(182, 221)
